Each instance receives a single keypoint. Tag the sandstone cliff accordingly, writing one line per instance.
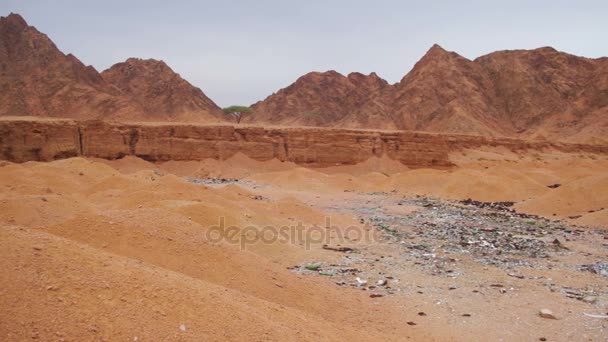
(25, 139)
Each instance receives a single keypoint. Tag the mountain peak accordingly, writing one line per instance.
(546, 49)
(436, 51)
(328, 73)
(317, 76)
(361, 75)
(13, 20)
(437, 47)
(144, 61)
(163, 93)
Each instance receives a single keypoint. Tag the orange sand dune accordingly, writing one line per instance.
(92, 246)
(492, 174)
(88, 243)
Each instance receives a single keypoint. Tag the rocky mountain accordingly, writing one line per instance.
(541, 93)
(326, 99)
(162, 93)
(37, 79)
(445, 92)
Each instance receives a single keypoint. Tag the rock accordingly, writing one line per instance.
(376, 295)
(182, 327)
(590, 299)
(381, 282)
(338, 249)
(514, 275)
(110, 140)
(361, 282)
(411, 323)
(546, 313)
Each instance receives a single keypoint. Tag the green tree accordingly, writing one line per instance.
(237, 112)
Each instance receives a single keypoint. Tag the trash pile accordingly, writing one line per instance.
(491, 232)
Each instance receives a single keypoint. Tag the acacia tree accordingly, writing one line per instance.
(237, 112)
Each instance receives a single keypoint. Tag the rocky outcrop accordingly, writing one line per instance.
(23, 139)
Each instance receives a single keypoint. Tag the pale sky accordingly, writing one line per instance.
(239, 52)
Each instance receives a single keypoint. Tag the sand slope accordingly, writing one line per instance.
(93, 253)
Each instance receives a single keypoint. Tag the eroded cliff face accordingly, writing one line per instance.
(26, 139)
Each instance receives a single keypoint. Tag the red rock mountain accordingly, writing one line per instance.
(541, 93)
(538, 93)
(37, 79)
(162, 93)
(325, 99)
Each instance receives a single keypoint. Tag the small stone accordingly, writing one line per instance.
(361, 282)
(411, 323)
(590, 299)
(182, 327)
(376, 295)
(542, 339)
(422, 313)
(546, 313)
(381, 282)
(515, 275)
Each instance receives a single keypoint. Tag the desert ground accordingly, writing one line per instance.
(128, 250)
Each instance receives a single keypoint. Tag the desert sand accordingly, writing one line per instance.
(466, 202)
(95, 249)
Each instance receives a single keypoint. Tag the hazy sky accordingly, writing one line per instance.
(239, 52)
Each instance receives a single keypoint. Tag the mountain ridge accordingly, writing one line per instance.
(37, 79)
(539, 93)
